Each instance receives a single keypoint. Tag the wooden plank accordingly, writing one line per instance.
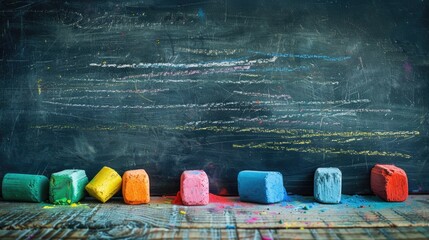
(213, 233)
(337, 233)
(298, 213)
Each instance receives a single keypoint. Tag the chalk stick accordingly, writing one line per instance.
(389, 182)
(104, 185)
(135, 187)
(327, 185)
(67, 186)
(194, 188)
(261, 186)
(25, 187)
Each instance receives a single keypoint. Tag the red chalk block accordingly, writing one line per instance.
(194, 188)
(389, 183)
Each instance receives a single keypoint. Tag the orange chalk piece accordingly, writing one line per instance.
(104, 185)
(389, 183)
(135, 187)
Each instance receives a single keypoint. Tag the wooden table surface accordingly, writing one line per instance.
(356, 217)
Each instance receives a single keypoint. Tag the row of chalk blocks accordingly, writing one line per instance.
(388, 182)
(68, 186)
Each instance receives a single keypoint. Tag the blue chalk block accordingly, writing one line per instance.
(261, 187)
(327, 185)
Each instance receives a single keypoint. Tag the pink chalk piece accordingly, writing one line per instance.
(389, 183)
(194, 188)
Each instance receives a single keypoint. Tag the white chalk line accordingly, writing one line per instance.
(228, 63)
(184, 81)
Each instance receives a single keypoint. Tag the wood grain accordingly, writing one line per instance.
(162, 233)
(357, 217)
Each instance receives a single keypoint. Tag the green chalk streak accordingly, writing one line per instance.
(67, 186)
(25, 187)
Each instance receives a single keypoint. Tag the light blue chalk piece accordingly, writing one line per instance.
(327, 185)
(261, 187)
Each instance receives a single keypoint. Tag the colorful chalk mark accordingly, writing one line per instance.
(285, 133)
(210, 52)
(303, 56)
(324, 150)
(303, 136)
(225, 63)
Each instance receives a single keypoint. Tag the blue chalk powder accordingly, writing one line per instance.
(327, 185)
(261, 187)
(201, 15)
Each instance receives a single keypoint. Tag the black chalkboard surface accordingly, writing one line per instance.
(217, 85)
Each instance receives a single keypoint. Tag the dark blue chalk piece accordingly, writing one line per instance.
(261, 187)
(327, 185)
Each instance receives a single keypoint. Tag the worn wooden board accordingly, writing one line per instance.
(405, 233)
(356, 217)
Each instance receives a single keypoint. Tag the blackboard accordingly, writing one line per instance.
(218, 85)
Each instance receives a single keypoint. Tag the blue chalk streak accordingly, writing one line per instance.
(304, 56)
(195, 172)
(201, 15)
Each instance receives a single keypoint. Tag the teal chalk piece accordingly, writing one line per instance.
(25, 187)
(67, 186)
(327, 185)
(261, 187)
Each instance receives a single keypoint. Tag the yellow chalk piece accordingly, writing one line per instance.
(48, 207)
(104, 185)
(182, 212)
(73, 205)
